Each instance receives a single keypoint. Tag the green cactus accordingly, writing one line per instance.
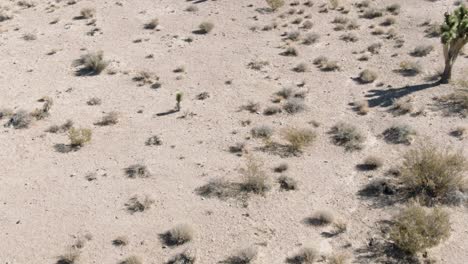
(454, 37)
(178, 100)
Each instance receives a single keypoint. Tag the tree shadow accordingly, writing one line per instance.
(172, 111)
(385, 98)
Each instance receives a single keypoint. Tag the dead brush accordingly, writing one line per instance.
(298, 138)
(255, 179)
(138, 204)
(178, 235)
(90, 64)
(347, 136)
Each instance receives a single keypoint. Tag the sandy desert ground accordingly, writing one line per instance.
(58, 199)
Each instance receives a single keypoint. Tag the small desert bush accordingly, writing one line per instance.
(375, 48)
(399, 134)
(370, 163)
(281, 167)
(338, 258)
(330, 66)
(432, 174)
(410, 68)
(293, 35)
(287, 183)
(137, 204)
(310, 38)
(111, 118)
(244, 256)
(153, 141)
(87, 13)
(456, 102)
(79, 136)
(152, 24)
(347, 136)
(120, 241)
(321, 218)
(459, 132)
(294, 105)
(252, 107)
(205, 27)
(94, 101)
(62, 128)
(271, 110)
(349, 37)
(367, 76)
(137, 171)
(422, 50)
(394, 9)
(290, 51)
(275, 4)
(388, 21)
(306, 255)
(19, 120)
(361, 107)
(298, 138)
(257, 65)
(91, 63)
(301, 67)
(185, 257)
(416, 229)
(372, 13)
(262, 132)
(178, 235)
(255, 179)
(131, 260)
(71, 257)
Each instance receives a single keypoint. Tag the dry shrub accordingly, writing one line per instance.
(244, 256)
(19, 120)
(347, 136)
(87, 13)
(91, 63)
(402, 106)
(251, 106)
(131, 260)
(262, 132)
(310, 38)
(416, 229)
(79, 136)
(111, 118)
(321, 218)
(399, 134)
(205, 27)
(433, 174)
(339, 258)
(185, 257)
(70, 257)
(287, 183)
(456, 102)
(410, 68)
(120, 241)
(372, 13)
(422, 50)
(349, 37)
(294, 105)
(255, 179)
(137, 170)
(152, 24)
(298, 138)
(178, 235)
(306, 255)
(367, 76)
(62, 128)
(137, 204)
(153, 141)
(370, 163)
(361, 107)
(275, 4)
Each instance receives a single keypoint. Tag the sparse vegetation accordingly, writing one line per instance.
(91, 63)
(298, 138)
(399, 134)
(432, 174)
(294, 105)
(422, 50)
(87, 13)
(410, 68)
(206, 27)
(416, 229)
(20, 120)
(185, 257)
(178, 235)
(367, 76)
(71, 257)
(275, 4)
(306, 255)
(110, 118)
(255, 179)
(137, 171)
(347, 136)
(262, 132)
(120, 241)
(152, 24)
(287, 183)
(137, 204)
(244, 256)
(321, 218)
(370, 163)
(79, 136)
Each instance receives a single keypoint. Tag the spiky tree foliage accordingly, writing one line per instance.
(454, 37)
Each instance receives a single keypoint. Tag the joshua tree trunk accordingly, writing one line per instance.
(451, 52)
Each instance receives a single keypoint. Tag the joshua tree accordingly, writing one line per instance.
(454, 37)
(178, 100)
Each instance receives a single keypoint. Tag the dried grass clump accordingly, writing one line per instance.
(19, 120)
(91, 64)
(131, 260)
(294, 105)
(255, 179)
(152, 24)
(310, 38)
(87, 13)
(416, 229)
(252, 107)
(372, 13)
(153, 141)
(394, 9)
(410, 68)
(185, 257)
(137, 171)
(70, 257)
(338, 258)
(257, 65)
(206, 27)
(290, 51)
(301, 67)
(388, 21)
(347, 136)
(432, 174)
(120, 241)
(367, 76)
(361, 107)
(422, 50)
(94, 101)
(370, 163)
(62, 128)
(79, 136)
(321, 218)
(402, 106)
(306, 255)
(111, 118)
(137, 204)
(287, 183)
(262, 132)
(456, 102)
(178, 235)
(399, 134)
(275, 4)
(244, 256)
(349, 37)
(298, 138)
(271, 110)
